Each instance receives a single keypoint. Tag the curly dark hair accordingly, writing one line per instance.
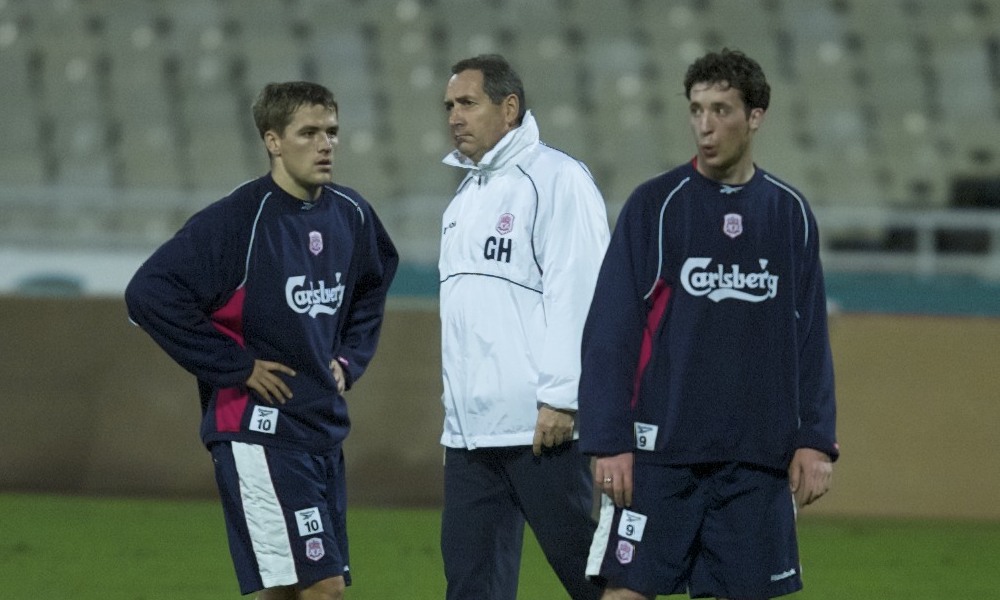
(737, 70)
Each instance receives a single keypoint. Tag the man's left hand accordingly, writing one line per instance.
(809, 475)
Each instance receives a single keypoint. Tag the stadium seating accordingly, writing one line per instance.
(876, 102)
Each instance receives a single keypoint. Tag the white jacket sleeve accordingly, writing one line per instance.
(571, 236)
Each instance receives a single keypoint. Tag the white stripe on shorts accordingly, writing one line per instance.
(599, 546)
(265, 521)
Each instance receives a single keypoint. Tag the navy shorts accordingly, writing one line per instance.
(286, 514)
(722, 530)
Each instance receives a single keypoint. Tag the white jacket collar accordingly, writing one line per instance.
(509, 150)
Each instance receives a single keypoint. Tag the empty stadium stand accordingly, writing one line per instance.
(122, 118)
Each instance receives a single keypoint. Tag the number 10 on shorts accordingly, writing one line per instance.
(309, 521)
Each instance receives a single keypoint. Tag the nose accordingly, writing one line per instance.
(705, 124)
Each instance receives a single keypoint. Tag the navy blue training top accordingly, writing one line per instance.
(263, 275)
(707, 337)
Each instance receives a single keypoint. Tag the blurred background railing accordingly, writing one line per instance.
(924, 243)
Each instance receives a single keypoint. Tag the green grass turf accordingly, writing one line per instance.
(56, 547)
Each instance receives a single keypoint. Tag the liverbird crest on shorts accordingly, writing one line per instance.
(314, 549)
(624, 552)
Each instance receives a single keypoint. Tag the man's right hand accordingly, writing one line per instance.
(265, 381)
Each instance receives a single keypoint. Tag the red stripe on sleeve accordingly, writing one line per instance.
(660, 297)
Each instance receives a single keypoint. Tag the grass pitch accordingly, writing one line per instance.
(56, 548)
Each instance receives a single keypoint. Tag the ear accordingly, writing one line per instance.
(272, 141)
(756, 118)
(511, 108)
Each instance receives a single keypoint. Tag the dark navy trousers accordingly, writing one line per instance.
(489, 495)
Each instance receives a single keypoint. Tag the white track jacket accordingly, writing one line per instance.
(521, 246)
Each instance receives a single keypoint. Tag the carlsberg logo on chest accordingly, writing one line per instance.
(699, 278)
(314, 299)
